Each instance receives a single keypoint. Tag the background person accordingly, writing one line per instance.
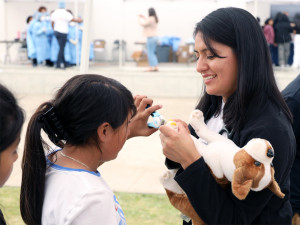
(283, 30)
(149, 25)
(40, 32)
(270, 37)
(60, 19)
(11, 121)
(291, 95)
(296, 61)
(90, 118)
(31, 50)
(240, 95)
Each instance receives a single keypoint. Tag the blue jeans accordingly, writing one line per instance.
(151, 49)
(274, 54)
(62, 40)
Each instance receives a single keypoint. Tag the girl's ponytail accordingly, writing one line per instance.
(34, 169)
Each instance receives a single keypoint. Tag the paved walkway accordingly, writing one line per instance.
(140, 163)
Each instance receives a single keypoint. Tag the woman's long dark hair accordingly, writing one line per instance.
(239, 30)
(151, 12)
(81, 106)
(11, 121)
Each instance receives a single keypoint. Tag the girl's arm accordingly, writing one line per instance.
(138, 124)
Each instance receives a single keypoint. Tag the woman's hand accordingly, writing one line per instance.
(178, 146)
(138, 124)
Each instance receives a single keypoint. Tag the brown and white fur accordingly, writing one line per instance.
(247, 168)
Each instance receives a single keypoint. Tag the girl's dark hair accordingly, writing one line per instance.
(267, 21)
(239, 30)
(11, 118)
(151, 12)
(29, 18)
(41, 8)
(78, 109)
(11, 121)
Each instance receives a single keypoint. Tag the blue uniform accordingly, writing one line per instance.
(40, 39)
(31, 51)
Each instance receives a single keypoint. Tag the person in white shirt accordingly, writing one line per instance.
(60, 21)
(90, 118)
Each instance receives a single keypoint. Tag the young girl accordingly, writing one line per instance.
(11, 121)
(90, 118)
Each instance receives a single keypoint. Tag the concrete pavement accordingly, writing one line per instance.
(140, 162)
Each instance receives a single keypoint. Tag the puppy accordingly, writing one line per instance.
(247, 168)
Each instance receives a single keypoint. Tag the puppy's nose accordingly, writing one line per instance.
(270, 153)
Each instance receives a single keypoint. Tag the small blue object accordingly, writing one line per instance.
(158, 120)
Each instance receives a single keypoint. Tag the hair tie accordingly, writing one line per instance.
(52, 126)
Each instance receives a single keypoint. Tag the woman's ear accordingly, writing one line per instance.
(104, 131)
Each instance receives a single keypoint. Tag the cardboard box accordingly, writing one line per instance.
(99, 44)
(183, 54)
(141, 58)
(142, 63)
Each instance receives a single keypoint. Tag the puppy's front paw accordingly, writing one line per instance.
(167, 175)
(196, 120)
(197, 114)
(168, 182)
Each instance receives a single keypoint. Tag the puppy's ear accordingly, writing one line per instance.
(274, 187)
(240, 185)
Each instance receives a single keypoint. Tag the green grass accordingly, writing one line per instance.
(10, 205)
(139, 209)
(148, 209)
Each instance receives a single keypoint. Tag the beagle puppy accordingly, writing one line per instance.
(247, 168)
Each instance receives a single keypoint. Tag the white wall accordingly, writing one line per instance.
(263, 10)
(112, 19)
(176, 18)
(2, 28)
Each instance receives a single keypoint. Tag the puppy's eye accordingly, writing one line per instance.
(272, 164)
(256, 163)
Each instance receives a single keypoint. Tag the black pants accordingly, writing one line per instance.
(62, 40)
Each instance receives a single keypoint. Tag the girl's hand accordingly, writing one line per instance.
(138, 124)
(178, 146)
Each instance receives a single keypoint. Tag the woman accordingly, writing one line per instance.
(150, 31)
(270, 37)
(240, 95)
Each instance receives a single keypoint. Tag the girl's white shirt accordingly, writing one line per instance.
(77, 196)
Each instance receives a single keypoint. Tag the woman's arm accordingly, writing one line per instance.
(144, 21)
